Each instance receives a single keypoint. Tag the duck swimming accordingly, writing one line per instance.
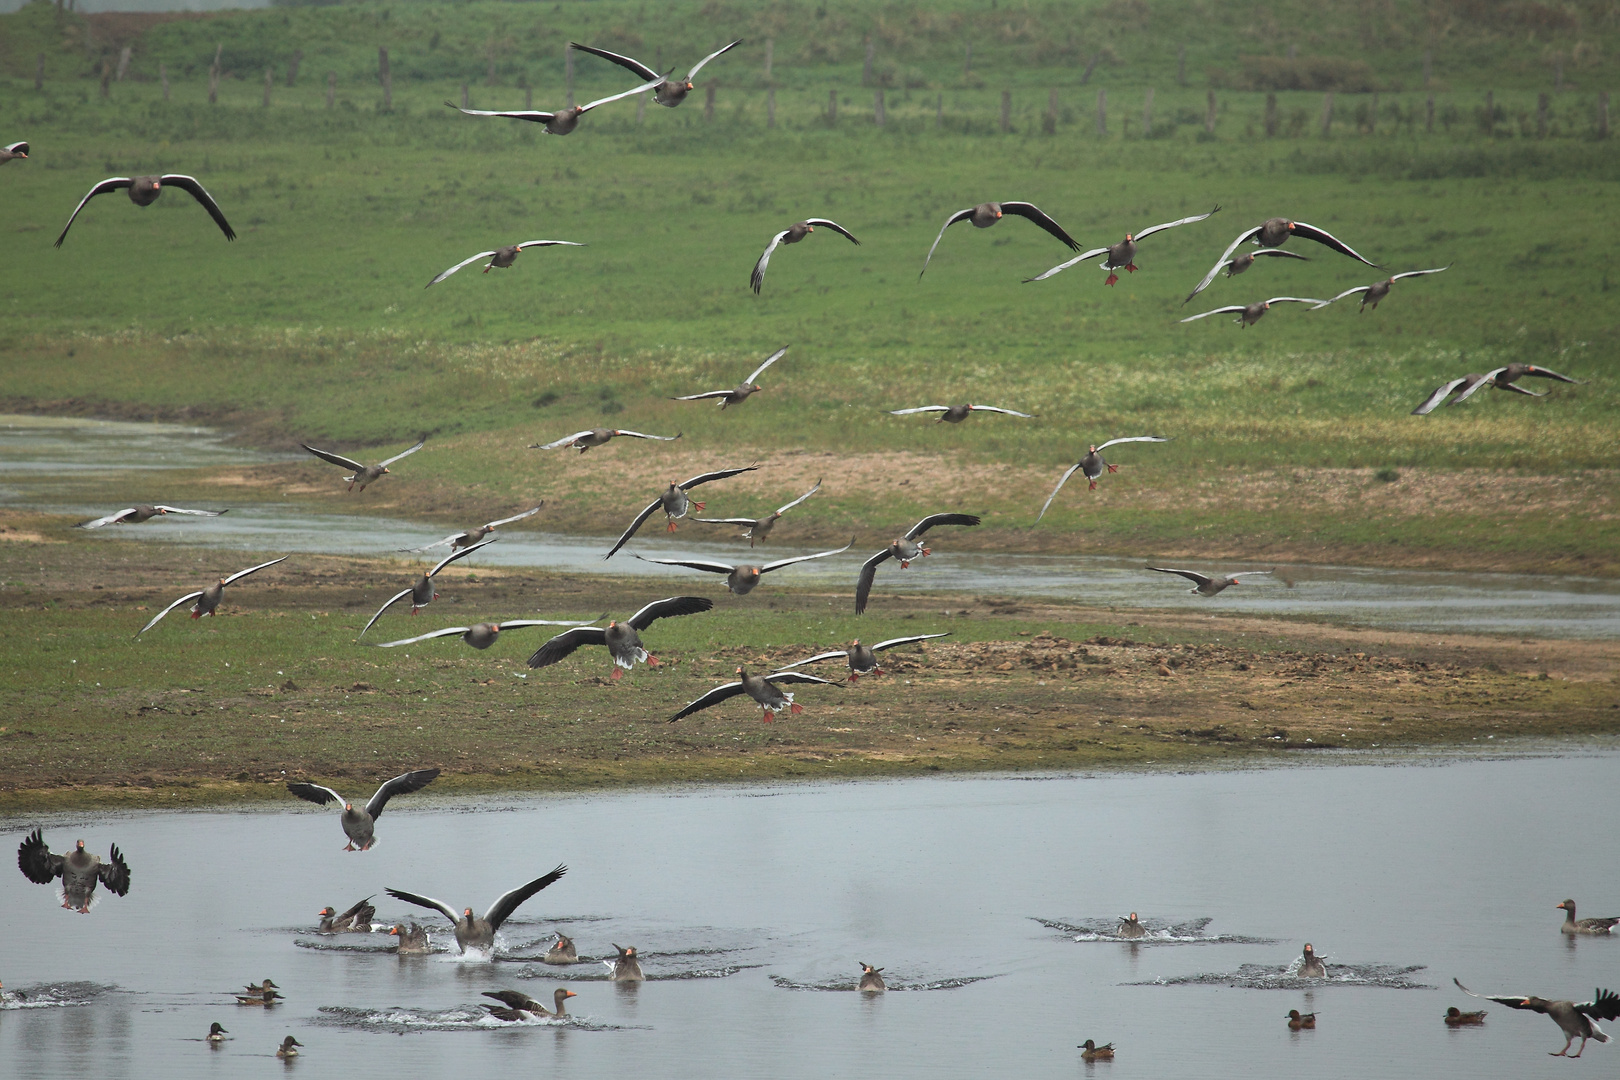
(625, 966)
(1298, 1020)
(871, 979)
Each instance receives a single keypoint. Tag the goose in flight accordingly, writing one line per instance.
(862, 659)
(1093, 466)
(363, 474)
(742, 579)
(674, 503)
(482, 635)
(621, 638)
(16, 151)
(79, 870)
(134, 515)
(501, 258)
(478, 932)
(757, 529)
(987, 214)
(422, 593)
(792, 235)
(905, 548)
(1577, 1020)
(1122, 254)
(742, 391)
(955, 414)
(359, 825)
(1271, 234)
(1371, 294)
(1502, 378)
(762, 688)
(1249, 314)
(1239, 263)
(144, 190)
(469, 537)
(584, 440)
(560, 123)
(666, 92)
(207, 600)
(1208, 586)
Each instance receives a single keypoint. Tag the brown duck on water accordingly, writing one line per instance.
(1455, 1017)
(134, 515)
(862, 659)
(478, 932)
(423, 593)
(987, 214)
(501, 258)
(1090, 1051)
(1120, 255)
(740, 580)
(144, 190)
(757, 529)
(360, 825)
(762, 688)
(363, 474)
(1577, 1020)
(565, 120)
(666, 92)
(1271, 234)
(792, 235)
(1298, 1020)
(621, 638)
(79, 870)
(584, 440)
(208, 600)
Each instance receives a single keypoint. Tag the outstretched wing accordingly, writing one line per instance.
(1420, 273)
(863, 584)
(1197, 579)
(315, 793)
(690, 564)
(564, 441)
(110, 519)
(651, 84)
(335, 459)
(548, 243)
(518, 624)
(36, 861)
(1060, 267)
(1605, 1004)
(253, 570)
(756, 279)
(1226, 257)
(428, 902)
(462, 554)
(769, 360)
(704, 478)
(668, 608)
(634, 525)
(834, 226)
(516, 1000)
(114, 873)
(788, 506)
(565, 643)
(507, 903)
(1297, 300)
(458, 266)
(114, 183)
(1341, 296)
(940, 519)
(1327, 239)
(531, 115)
(452, 538)
(641, 70)
(165, 611)
(786, 676)
(515, 517)
(1216, 311)
(199, 513)
(713, 697)
(893, 642)
(1064, 479)
(1034, 213)
(403, 784)
(403, 453)
(392, 600)
(960, 215)
(1489, 378)
(1544, 373)
(1151, 229)
(705, 394)
(779, 563)
(639, 435)
(920, 409)
(1441, 393)
(697, 67)
(198, 192)
(836, 654)
(1512, 1001)
(994, 408)
(1131, 438)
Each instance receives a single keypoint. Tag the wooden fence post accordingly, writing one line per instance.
(967, 64)
(1372, 116)
(770, 54)
(1102, 113)
(331, 88)
(1558, 73)
(1541, 116)
(1049, 122)
(866, 68)
(708, 103)
(1271, 116)
(1209, 114)
(39, 73)
(123, 62)
(106, 76)
(1091, 65)
(163, 76)
(387, 78)
(1327, 114)
(877, 106)
(292, 67)
(1428, 66)
(213, 75)
(1428, 116)
(939, 109)
(1147, 114)
(832, 107)
(269, 74)
(770, 106)
(1006, 111)
(1181, 66)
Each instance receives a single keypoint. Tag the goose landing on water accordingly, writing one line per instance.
(475, 932)
(1577, 1020)
(79, 870)
(360, 825)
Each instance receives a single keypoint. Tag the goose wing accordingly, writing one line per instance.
(1297, 300)
(253, 570)
(1034, 213)
(713, 697)
(110, 519)
(960, 215)
(114, 873)
(1489, 379)
(452, 538)
(529, 513)
(1327, 239)
(565, 643)
(1197, 579)
(198, 192)
(634, 525)
(834, 226)
(458, 266)
(639, 435)
(518, 624)
(1441, 393)
(36, 861)
(1605, 1004)
(315, 793)
(721, 474)
(114, 183)
(920, 409)
(863, 584)
(1544, 373)
(641, 70)
(532, 115)
(769, 360)
(335, 459)
(1131, 438)
(515, 999)
(1151, 229)
(507, 903)
(156, 618)
(426, 901)
(1278, 253)
(1512, 1001)
(779, 563)
(403, 784)
(1216, 311)
(697, 67)
(788, 506)
(448, 631)
(997, 408)
(462, 554)
(727, 521)
(1517, 389)
(836, 654)
(668, 608)
(940, 519)
(1226, 257)
(652, 84)
(1341, 296)
(1060, 267)
(700, 397)
(1064, 479)
(893, 642)
(756, 279)
(403, 453)
(799, 677)
(548, 243)
(691, 564)
(18, 148)
(567, 439)
(191, 513)
(392, 600)
(1420, 273)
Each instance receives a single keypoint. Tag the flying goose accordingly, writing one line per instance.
(761, 688)
(955, 414)
(1576, 1019)
(363, 474)
(759, 528)
(987, 214)
(1090, 1051)
(1455, 1017)
(516, 1004)
(289, 1048)
(483, 635)
(674, 502)
(79, 870)
(1310, 965)
(473, 932)
(1130, 928)
(359, 825)
(356, 920)
(1249, 314)
(564, 121)
(871, 979)
(17, 150)
(472, 536)
(742, 579)
(584, 440)
(792, 235)
(1300, 1021)
(207, 600)
(1207, 586)
(743, 390)
(905, 548)
(501, 258)
(666, 92)
(144, 190)
(1239, 263)
(562, 952)
(862, 659)
(1375, 292)
(413, 939)
(621, 638)
(134, 515)
(625, 966)
(1093, 465)
(1502, 378)
(1572, 925)
(423, 593)
(1122, 254)
(1271, 234)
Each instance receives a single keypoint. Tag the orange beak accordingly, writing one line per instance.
(571, 994)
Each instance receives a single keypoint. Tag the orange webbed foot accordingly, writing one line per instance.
(1131, 269)
(1111, 279)
(1093, 486)
(1113, 468)
(617, 675)
(670, 527)
(768, 717)
(700, 506)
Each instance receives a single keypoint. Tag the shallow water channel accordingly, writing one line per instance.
(981, 898)
(48, 464)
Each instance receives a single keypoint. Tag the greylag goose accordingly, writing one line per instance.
(1239, 263)
(134, 515)
(1310, 965)
(1572, 925)
(413, 939)
(625, 966)
(515, 1004)
(472, 931)
(289, 1048)
(562, 952)
(743, 390)
(955, 414)
(1093, 465)
(792, 235)
(862, 659)
(584, 440)
(757, 529)
(1208, 586)
(871, 979)
(144, 190)
(356, 920)
(761, 688)
(1298, 1021)
(621, 638)
(422, 593)
(674, 503)
(742, 579)
(905, 548)
(987, 214)
(363, 474)
(17, 151)
(1576, 1019)
(1131, 928)
(1271, 234)
(216, 1033)
(1120, 255)
(469, 537)
(666, 92)
(360, 825)
(482, 635)
(207, 600)
(1249, 314)
(565, 120)
(1090, 1051)
(1502, 378)
(1455, 1017)
(1371, 294)
(501, 258)
(79, 870)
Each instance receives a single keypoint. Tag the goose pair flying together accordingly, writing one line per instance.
(1267, 236)
(1502, 378)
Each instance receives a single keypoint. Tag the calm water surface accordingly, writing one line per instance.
(752, 907)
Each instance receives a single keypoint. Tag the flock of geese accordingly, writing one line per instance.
(81, 871)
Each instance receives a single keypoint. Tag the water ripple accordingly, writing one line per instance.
(1158, 932)
(854, 984)
(1265, 977)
